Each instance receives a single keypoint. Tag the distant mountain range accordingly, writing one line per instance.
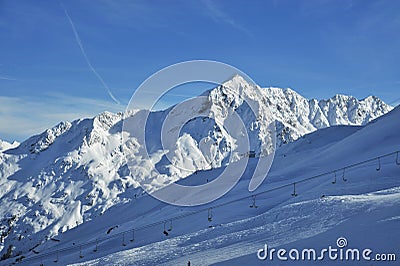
(77, 170)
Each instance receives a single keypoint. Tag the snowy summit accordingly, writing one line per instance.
(70, 185)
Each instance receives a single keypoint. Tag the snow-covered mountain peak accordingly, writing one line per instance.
(247, 100)
(106, 120)
(41, 142)
(76, 134)
(297, 115)
(4, 145)
(347, 110)
(237, 79)
(75, 171)
(294, 114)
(90, 188)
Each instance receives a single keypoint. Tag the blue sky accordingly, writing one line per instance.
(318, 48)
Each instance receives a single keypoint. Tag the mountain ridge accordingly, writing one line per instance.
(322, 151)
(75, 171)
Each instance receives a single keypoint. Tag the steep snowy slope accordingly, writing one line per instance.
(362, 206)
(76, 172)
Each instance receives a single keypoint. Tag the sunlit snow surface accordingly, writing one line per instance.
(365, 209)
(71, 184)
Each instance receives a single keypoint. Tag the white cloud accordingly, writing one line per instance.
(23, 117)
(6, 78)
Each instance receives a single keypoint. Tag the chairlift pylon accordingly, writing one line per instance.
(123, 239)
(343, 178)
(133, 235)
(378, 168)
(294, 194)
(97, 245)
(210, 214)
(165, 231)
(334, 180)
(253, 205)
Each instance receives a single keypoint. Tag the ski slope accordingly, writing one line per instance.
(365, 209)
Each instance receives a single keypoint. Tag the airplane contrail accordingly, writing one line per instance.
(78, 40)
